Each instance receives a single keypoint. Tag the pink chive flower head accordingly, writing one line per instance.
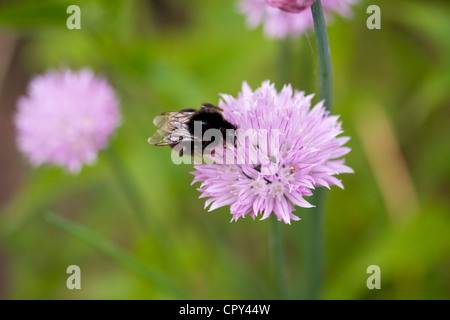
(294, 6)
(306, 153)
(66, 118)
(283, 18)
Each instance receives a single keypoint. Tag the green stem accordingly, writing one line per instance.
(128, 187)
(278, 256)
(315, 244)
(118, 254)
(324, 56)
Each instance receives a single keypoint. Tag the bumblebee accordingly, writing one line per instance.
(182, 129)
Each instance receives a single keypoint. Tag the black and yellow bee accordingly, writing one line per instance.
(178, 128)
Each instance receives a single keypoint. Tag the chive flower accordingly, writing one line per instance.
(66, 118)
(291, 148)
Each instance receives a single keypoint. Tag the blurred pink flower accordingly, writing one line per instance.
(294, 6)
(304, 154)
(66, 118)
(279, 23)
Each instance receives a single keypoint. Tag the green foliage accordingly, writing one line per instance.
(175, 56)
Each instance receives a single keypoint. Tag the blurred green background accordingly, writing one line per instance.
(392, 90)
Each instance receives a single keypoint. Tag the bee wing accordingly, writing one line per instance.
(168, 120)
(159, 138)
(161, 120)
(171, 128)
(164, 138)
